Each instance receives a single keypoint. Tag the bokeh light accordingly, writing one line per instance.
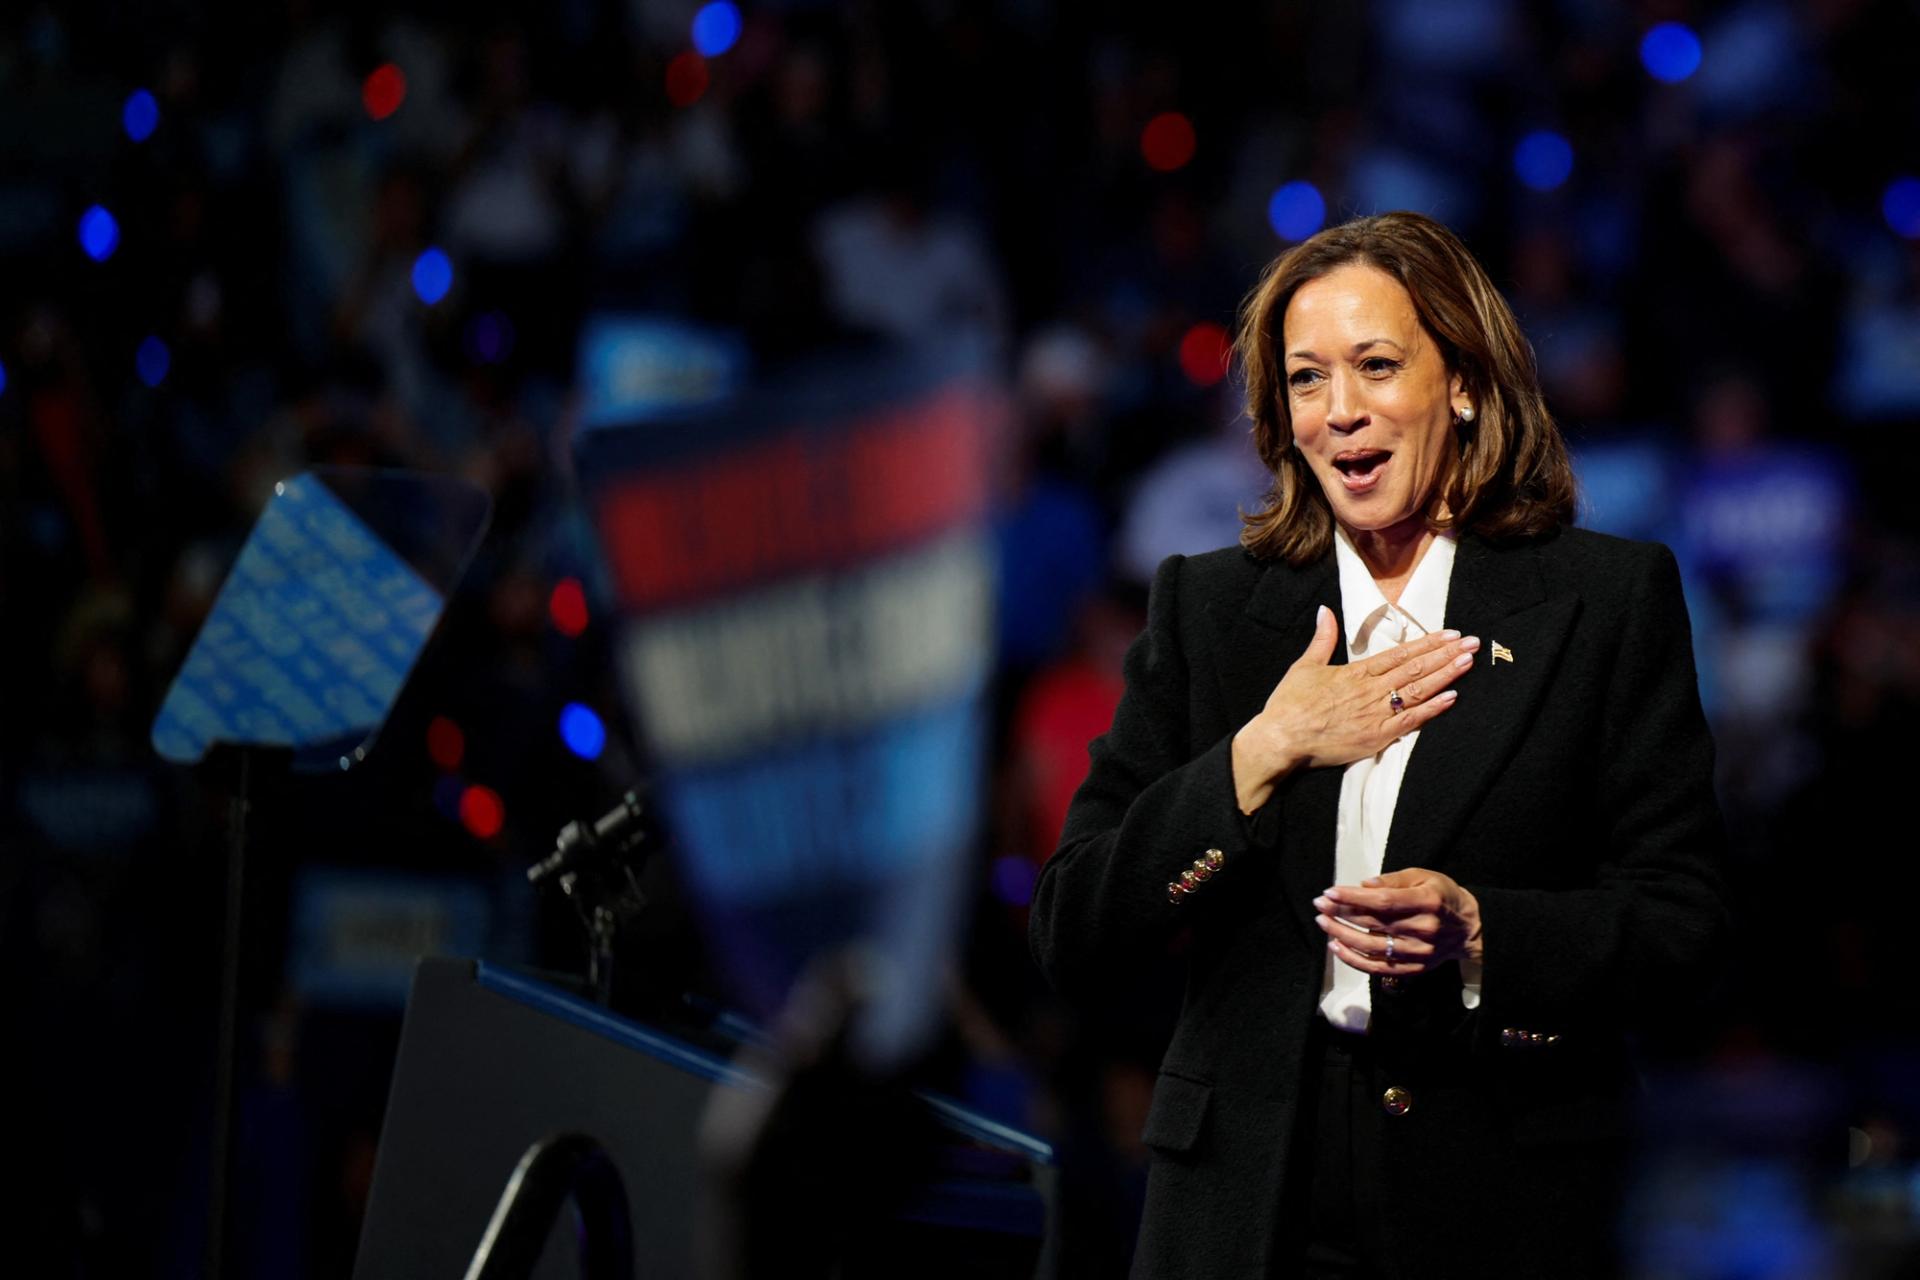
(99, 233)
(686, 79)
(1203, 353)
(1901, 205)
(140, 115)
(490, 337)
(447, 791)
(446, 744)
(432, 275)
(1013, 880)
(715, 28)
(567, 606)
(1543, 159)
(1167, 143)
(3, 378)
(1296, 211)
(481, 811)
(384, 89)
(152, 361)
(1670, 52)
(582, 731)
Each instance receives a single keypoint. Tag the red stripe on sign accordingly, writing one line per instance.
(796, 502)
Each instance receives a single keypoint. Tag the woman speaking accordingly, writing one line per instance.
(1421, 771)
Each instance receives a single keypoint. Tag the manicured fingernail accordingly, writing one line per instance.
(1323, 922)
(1323, 902)
(1447, 696)
(1470, 643)
(1464, 661)
(1334, 893)
(1449, 635)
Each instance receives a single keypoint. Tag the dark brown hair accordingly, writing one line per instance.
(1510, 477)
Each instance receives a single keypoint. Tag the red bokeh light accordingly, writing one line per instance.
(481, 811)
(686, 79)
(446, 745)
(384, 89)
(1203, 353)
(567, 606)
(1167, 142)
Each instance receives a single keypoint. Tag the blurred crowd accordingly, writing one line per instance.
(361, 233)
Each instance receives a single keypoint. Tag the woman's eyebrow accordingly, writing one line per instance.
(1356, 349)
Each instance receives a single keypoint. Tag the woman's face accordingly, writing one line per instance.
(1371, 398)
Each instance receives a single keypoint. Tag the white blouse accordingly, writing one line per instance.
(1370, 787)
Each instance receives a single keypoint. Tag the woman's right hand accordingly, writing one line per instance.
(1321, 714)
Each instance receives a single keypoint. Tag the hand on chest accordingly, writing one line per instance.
(1510, 716)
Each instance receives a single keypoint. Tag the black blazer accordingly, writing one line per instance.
(1570, 790)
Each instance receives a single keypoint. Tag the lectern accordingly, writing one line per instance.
(492, 1061)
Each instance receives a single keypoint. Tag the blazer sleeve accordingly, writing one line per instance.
(1148, 810)
(1651, 932)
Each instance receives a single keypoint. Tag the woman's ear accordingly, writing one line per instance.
(1462, 402)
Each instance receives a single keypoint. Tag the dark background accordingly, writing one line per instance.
(1723, 287)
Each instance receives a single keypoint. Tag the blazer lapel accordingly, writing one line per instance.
(1257, 645)
(1260, 641)
(1496, 593)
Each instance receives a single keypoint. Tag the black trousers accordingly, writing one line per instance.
(1335, 1219)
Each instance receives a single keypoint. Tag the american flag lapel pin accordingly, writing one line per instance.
(1500, 651)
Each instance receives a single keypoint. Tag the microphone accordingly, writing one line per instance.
(613, 833)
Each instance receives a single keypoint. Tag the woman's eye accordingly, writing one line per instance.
(1379, 364)
(1302, 377)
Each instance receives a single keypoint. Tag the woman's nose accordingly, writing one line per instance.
(1346, 409)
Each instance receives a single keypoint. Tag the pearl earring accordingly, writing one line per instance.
(1466, 414)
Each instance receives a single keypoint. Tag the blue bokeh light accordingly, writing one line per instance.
(1013, 880)
(447, 790)
(490, 337)
(1670, 52)
(140, 116)
(99, 233)
(1296, 211)
(1901, 206)
(3, 378)
(152, 361)
(432, 275)
(715, 28)
(582, 731)
(1543, 159)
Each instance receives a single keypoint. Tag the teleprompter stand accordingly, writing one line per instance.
(329, 605)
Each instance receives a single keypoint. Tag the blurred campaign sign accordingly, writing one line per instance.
(805, 577)
(1768, 525)
(637, 367)
(323, 615)
(1626, 487)
(358, 934)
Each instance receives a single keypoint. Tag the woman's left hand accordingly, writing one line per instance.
(1428, 918)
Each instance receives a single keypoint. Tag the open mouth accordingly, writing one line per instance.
(1360, 468)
